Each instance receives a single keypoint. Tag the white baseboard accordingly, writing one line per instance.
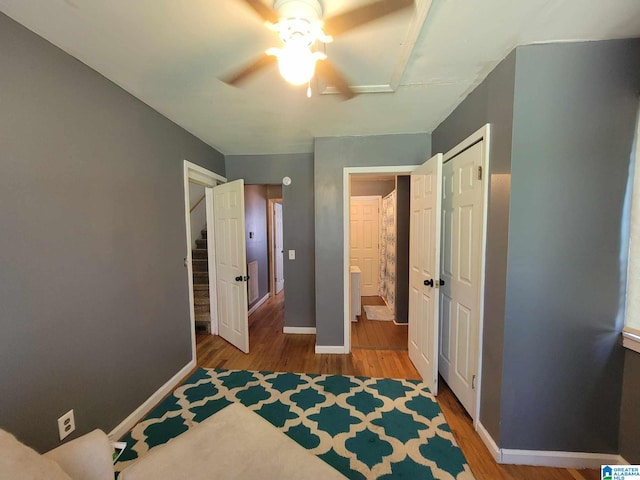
(559, 459)
(489, 442)
(129, 422)
(299, 330)
(258, 304)
(543, 458)
(337, 349)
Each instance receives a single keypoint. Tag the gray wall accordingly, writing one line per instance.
(332, 154)
(574, 119)
(255, 208)
(562, 127)
(298, 228)
(630, 409)
(94, 295)
(362, 188)
(491, 102)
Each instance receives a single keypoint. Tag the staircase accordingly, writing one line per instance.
(200, 269)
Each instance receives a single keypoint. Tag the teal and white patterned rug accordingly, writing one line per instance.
(364, 427)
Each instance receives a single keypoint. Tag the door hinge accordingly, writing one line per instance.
(473, 382)
(480, 172)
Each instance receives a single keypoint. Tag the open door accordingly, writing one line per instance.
(231, 263)
(424, 269)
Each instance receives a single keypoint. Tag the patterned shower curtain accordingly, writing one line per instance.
(388, 251)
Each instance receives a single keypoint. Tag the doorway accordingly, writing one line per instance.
(264, 243)
(199, 183)
(276, 246)
(370, 185)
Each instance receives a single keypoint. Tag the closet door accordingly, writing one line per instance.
(424, 269)
(365, 231)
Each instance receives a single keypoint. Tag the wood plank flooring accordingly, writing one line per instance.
(377, 335)
(272, 350)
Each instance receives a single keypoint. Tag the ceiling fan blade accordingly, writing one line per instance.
(266, 13)
(343, 22)
(331, 75)
(258, 64)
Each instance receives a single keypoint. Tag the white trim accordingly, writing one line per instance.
(365, 198)
(547, 458)
(491, 445)
(208, 179)
(259, 303)
(211, 262)
(631, 341)
(270, 246)
(559, 459)
(408, 43)
(346, 202)
(300, 330)
(390, 169)
(203, 176)
(129, 422)
(483, 135)
(337, 349)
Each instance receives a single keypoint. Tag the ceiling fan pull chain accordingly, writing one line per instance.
(309, 90)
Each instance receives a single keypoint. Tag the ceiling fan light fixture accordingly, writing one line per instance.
(297, 64)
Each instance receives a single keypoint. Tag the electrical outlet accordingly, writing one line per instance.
(66, 424)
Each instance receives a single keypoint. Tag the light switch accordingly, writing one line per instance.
(292, 254)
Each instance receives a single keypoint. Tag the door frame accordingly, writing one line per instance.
(483, 134)
(208, 179)
(347, 172)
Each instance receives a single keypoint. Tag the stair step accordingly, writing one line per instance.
(201, 290)
(203, 317)
(201, 300)
(201, 308)
(201, 243)
(203, 233)
(199, 253)
(200, 265)
(203, 327)
(200, 278)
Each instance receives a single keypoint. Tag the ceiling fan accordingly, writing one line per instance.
(301, 28)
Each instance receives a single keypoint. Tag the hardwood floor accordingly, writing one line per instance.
(377, 335)
(272, 350)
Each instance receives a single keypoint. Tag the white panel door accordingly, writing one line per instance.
(424, 269)
(365, 239)
(461, 260)
(231, 263)
(279, 248)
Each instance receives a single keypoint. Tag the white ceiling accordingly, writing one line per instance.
(170, 54)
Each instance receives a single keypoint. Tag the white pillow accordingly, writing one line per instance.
(21, 462)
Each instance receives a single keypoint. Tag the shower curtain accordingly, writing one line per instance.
(388, 251)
